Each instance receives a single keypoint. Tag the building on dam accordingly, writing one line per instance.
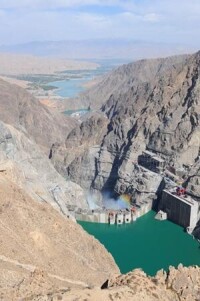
(180, 209)
(151, 161)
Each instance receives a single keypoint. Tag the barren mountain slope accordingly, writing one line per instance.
(123, 78)
(150, 103)
(35, 235)
(23, 111)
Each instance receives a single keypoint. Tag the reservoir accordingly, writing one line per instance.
(147, 243)
(74, 85)
(71, 87)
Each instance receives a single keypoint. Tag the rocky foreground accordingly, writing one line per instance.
(182, 284)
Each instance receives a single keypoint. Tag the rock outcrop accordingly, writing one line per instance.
(151, 104)
(181, 284)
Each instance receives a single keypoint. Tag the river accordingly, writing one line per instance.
(74, 85)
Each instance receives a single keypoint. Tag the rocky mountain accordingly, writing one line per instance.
(120, 80)
(27, 130)
(151, 104)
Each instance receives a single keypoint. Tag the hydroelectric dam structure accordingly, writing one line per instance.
(180, 209)
(174, 202)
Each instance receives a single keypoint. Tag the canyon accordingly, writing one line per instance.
(149, 104)
(49, 161)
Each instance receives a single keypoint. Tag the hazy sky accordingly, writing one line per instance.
(174, 21)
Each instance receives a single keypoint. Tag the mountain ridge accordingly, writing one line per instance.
(142, 101)
(99, 48)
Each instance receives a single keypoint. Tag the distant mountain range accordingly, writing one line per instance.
(98, 49)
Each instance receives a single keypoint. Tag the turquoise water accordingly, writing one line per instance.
(74, 85)
(146, 243)
(69, 88)
(70, 112)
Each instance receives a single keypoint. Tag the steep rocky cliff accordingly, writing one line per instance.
(151, 104)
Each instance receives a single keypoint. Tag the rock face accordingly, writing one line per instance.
(80, 151)
(27, 130)
(151, 104)
(33, 171)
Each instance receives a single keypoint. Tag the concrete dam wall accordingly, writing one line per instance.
(183, 211)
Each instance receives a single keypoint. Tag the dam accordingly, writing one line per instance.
(111, 216)
(180, 209)
(174, 202)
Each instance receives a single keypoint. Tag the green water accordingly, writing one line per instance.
(74, 84)
(146, 243)
(70, 112)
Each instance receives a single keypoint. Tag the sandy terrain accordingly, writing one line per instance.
(21, 83)
(11, 64)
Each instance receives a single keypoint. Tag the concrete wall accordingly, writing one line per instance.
(95, 217)
(103, 216)
(179, 210)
